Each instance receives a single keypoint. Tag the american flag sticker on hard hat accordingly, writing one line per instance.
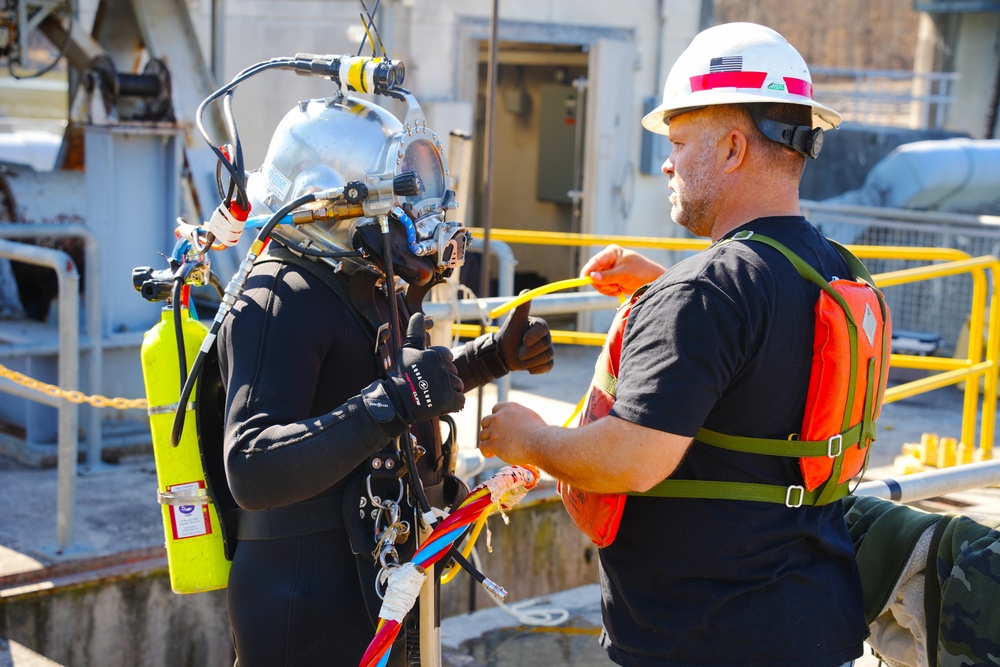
(726, 64)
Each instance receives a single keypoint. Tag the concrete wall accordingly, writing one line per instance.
(119, 620)
(977, 58)
(127, 615)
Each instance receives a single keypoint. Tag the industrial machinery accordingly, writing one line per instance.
(127, 167)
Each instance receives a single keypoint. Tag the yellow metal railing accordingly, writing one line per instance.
(945, 372)
(979, 362)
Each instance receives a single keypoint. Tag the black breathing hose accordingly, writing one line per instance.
(179, 331)
(179, 278)
(390, 290)
(199, 361)
(406, 447)
(312, 252)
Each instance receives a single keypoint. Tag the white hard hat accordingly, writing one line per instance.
(737, 63)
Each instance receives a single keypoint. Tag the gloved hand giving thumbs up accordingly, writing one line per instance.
(525, 342)
(426, 382)
(521, 343)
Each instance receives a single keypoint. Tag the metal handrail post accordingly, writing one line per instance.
(68, 374)
(988, 368)
(974, 354)
(922, 485)
(505, 287)
(505, 264)
(989, 405)
(91, 272)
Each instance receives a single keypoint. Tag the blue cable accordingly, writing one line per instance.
(411, 231)
(258, 221)
(449, 538)
(180, 249)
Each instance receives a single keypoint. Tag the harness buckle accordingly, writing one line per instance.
(184, 498)
(789, 493)
(839, 440)
(379, 502)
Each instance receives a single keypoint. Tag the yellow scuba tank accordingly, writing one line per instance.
(193, 535)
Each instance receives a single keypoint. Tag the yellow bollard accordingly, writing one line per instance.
(965, 453)
(929, 455)
(947, 452)
(907, 464)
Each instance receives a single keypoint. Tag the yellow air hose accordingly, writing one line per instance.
(451, 571)
(538, 291)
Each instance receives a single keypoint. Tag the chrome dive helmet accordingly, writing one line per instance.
(386, 167)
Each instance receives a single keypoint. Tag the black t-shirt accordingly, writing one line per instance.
(724, 340)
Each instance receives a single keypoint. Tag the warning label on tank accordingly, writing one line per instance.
(189, 520)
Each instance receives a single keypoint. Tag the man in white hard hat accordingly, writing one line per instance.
(721, 342)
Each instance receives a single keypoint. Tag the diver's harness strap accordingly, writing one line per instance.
(311, 516)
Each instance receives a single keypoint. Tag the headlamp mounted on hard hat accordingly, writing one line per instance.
(802, 139)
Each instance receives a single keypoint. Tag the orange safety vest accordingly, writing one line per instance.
(846, 386)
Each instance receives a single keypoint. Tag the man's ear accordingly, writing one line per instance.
(735, 144)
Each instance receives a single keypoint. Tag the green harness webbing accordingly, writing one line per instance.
(835, 447)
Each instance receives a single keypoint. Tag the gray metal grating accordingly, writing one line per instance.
(940, 306)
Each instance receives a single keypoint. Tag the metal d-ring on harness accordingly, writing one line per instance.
(389, 531)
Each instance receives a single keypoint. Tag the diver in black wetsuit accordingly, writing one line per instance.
(311, 412)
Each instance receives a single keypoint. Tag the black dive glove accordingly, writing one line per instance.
(525, 343)
(424, 385)
(522, 343)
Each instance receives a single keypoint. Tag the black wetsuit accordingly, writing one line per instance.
(294, 357)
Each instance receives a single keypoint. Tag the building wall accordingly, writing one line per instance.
(862, 34)
(435, 41)
(977, 57)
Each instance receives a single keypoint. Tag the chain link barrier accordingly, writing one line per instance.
(73, 396)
